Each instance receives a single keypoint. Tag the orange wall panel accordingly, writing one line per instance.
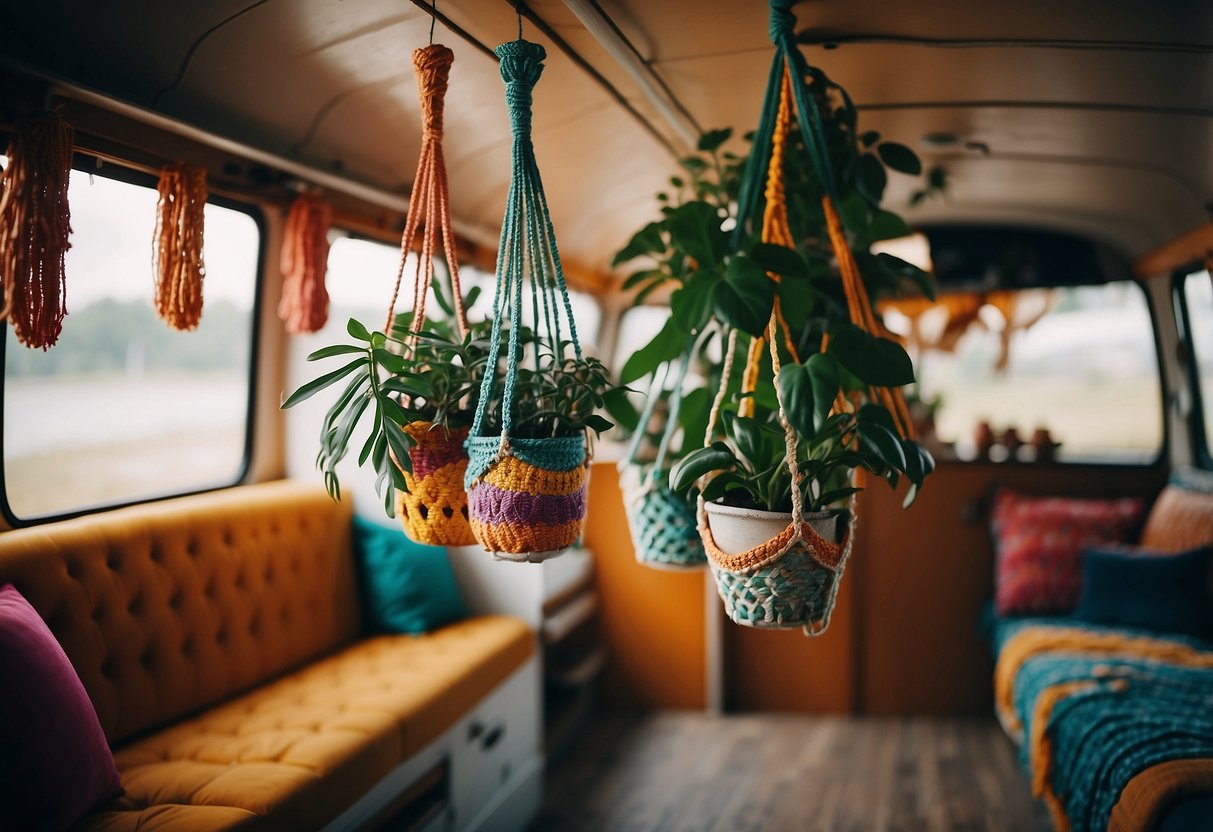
(651, 620)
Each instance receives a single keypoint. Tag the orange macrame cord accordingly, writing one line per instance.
(430, 201)
(177, 245)
(35, 224)
(305, 252)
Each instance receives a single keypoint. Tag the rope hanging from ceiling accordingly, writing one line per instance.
(177, 262)
(304, 306)
(35, 224)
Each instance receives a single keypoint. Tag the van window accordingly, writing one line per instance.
(1078, 362)
(1196, 292)
(124, 408)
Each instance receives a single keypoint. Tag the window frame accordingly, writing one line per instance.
(88, 164)
(1201, 453)
(1164, 445)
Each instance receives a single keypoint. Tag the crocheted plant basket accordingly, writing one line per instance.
(528, 504)
(783, 579)
(662, 522)
(434, 510)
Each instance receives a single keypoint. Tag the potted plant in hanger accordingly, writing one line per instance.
(420, 404)
(818, 398)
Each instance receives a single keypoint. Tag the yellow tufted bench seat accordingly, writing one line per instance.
(217, 636)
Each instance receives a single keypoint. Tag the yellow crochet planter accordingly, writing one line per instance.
(434, 510)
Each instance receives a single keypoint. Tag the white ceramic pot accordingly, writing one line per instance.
(738, 530)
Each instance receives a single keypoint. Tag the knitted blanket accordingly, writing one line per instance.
(1093, 708)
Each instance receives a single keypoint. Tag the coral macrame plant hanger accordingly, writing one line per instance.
(662, 522)
(526, 495)
(433, 509)
(792, 579)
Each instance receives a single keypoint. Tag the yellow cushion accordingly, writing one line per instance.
(296, 752)
(169, 607)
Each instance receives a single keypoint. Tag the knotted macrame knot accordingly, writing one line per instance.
(521, 64)
(783, 22)
(433, 66)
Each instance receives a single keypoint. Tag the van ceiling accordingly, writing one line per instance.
(1093, 117)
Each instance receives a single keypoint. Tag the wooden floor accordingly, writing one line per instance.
(680, 772)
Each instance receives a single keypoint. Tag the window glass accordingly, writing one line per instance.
(124, 408)
(1198, 302)
(1079, 363)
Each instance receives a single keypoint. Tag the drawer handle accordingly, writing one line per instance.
(493, 736)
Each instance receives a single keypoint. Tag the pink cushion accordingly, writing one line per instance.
(1040, 541)
(55, 764)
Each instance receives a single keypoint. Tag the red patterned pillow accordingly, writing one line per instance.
(1040, 541)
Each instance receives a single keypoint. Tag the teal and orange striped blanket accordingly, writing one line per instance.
(1114, 726)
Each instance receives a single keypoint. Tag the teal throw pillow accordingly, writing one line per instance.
(407, 587)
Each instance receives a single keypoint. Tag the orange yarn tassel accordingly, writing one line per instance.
(177, 245)
(305, 253)
(35, 223)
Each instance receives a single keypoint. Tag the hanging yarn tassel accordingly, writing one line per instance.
(434, 506)
(35, 223)
(177, 245)
(305, 252)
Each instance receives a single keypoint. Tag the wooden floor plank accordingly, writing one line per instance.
(691, 772)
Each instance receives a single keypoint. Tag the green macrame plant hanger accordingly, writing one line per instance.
(662, 521)
(526, 496)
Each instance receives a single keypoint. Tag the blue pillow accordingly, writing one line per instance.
(1148, 591)
(407, 587)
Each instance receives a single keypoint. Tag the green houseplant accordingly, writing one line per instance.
(818, 398)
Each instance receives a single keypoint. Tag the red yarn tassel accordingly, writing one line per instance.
(305, 251)
(35, 223)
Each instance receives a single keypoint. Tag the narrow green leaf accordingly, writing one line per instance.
(357, 330)
(715, 457)
(336, 349)
(316, 385)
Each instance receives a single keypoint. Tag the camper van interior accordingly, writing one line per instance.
(607, 415)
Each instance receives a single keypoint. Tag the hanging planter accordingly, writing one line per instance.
(528, 470)
(795, 441)
(419, 376)
(662, 522)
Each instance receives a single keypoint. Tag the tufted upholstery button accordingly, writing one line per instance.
(135, 606)
(174, 600)
(155, 554)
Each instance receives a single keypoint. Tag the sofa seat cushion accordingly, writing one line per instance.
(297, 752)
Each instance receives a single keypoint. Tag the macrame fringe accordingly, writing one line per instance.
(305, 252)
(35, 224)
(177, 245)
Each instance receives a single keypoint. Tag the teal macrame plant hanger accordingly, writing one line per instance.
(662, 522)
(526, 496)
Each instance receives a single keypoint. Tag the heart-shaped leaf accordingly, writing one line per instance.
(695, 229)
(666, 345)
(876, 361)
(744, 297)
(900, 158)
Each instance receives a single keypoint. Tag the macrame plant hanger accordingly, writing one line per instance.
(792, 579)
(35, 224)
(662, 522)
(434, 508)
(526, 495)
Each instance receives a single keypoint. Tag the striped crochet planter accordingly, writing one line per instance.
(530, 504)
(434, 510)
